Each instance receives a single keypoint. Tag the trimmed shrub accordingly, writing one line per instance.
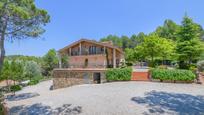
(119, 74)
(173, 74)
(15, 88)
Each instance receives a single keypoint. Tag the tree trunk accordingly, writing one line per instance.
(190, 60)
(152, 60)
(3, 28)
(163, 61)
(140, 63)
(2, 51)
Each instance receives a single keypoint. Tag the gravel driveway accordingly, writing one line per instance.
(118, 98)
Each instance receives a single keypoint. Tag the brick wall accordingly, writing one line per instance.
(140, 76)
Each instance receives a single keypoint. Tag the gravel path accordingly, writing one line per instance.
(118, 98)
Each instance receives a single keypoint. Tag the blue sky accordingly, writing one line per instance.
(94, 19)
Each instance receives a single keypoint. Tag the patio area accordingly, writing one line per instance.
(119, 98)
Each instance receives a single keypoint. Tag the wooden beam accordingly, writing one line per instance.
(114, 58)
(70, 51)
(104, 48)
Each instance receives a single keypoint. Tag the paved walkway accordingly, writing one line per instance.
(119, 98)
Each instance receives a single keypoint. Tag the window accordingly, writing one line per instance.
(92, 49)
(102, 49)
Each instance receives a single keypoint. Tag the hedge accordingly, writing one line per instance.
(119, 74)
(15, 88)
(173, 74)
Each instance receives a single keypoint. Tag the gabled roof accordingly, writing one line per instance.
(93, 42)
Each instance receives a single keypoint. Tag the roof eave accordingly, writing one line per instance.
(61, 50)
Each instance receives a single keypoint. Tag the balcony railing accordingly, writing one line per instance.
(87, 66)
(86, 53)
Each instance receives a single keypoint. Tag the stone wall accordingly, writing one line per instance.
(66, 78)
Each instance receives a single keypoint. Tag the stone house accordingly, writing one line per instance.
(88, 61)
(91, 54)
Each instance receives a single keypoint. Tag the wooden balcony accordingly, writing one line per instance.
(86, 53)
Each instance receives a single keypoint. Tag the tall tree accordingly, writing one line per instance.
(125, 42)
(136, 39)
(6, 71)
(20, 19)
(115, 39)
(133, 40)
(151, 47)
(154, 47)
(16, 70)
(130, 55)
(31, 70)
(189, 45)
(201, 31)
(167, 49)
(50, 61)
(65, 60)
(168, 30)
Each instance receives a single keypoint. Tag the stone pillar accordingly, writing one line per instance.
(114, 58)
(104, 48)
(104, 52)
(103, 77)
(79, 48)
(59, 59)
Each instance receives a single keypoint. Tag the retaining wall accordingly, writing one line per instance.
(65, 78)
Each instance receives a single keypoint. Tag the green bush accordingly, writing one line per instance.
(31, 70)
(173, 74)
(33, 82)
(15, 88)
(119, 74)
(193, 68)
